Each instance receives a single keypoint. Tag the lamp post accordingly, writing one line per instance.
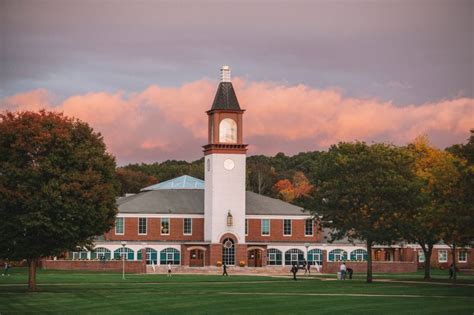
(123, 259)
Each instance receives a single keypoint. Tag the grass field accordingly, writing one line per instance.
(88, 292)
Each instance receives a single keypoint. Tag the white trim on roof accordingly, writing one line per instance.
(159, 215)
(279, 216)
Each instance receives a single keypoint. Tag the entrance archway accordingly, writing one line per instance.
(196, 258)
(255, 257)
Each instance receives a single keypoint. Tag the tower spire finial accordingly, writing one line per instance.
(225, 74)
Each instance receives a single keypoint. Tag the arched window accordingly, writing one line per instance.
(228, 131)
(170, 256)
(151, 255)
(124, 251)
(101, 253)
(294, 256)
(315, 256)
(228, 252)
(274, 257)
(359, 255)
(337, 255)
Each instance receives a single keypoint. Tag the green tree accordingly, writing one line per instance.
(57, 186)
(437, 171)
(458, 227)
(132, 181)
(260, 174)
(361, 191)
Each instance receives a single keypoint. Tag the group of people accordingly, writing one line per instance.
(344, 270)
(305, 266)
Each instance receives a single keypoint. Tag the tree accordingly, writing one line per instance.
(458, 227)
(437, 170)
(289, 191)
(361, 191)
(260, 174)
(57, 186)
(132, 181)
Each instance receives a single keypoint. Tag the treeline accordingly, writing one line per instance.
(280, 176)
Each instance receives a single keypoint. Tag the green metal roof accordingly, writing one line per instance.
(182, 182)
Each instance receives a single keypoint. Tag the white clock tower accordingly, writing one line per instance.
(224, 174)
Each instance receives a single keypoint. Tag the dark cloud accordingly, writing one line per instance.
(81, 46)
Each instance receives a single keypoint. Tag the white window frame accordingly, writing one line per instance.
(312, 227)
(291, 227)
(465, 256)
(161, 226)
(421, 256)
(272, 256)
(317, 257)
(123, 225)
(269, 227)
(168, 255)
(146, 226)
(439, 255)
(191, 225)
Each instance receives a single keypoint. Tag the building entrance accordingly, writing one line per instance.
(255, 257)
(196, 258)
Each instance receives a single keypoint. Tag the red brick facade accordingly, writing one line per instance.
(276, 232)
(154, 230)
(176, 231)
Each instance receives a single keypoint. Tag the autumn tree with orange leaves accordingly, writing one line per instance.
(289, 191)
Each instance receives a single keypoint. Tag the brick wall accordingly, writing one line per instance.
(379, 266)
(95, 265)
(276, 232)
(435, 263)
(154, 230)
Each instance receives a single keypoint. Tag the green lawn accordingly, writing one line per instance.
(88, 292)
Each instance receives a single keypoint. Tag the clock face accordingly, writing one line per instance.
(229, 164)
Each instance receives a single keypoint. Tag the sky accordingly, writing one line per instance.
(308, 73)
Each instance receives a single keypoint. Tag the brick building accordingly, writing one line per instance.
(189, 222)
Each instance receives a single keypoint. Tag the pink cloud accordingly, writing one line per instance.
(170, 123)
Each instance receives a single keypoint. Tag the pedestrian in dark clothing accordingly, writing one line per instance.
(294, 270)
(6, 269)
(305, 267)
(224, 270)
(349, 272)
(309, 268)
(451, 271)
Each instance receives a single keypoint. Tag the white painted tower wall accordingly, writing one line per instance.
(224, 191)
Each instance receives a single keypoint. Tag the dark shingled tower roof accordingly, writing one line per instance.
(225, 97)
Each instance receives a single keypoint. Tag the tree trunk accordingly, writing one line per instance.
(427, 250)
(369, 261)
(453, 255)
(32, 264)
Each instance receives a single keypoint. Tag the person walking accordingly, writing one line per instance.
(294, 270)
(224, 270)
(6, 269)
(169, 269)
(305, 267)
(451, 271)
(309, 268)
(343, 270)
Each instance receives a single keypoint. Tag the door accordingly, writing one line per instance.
(255, 258)
(197, 258)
